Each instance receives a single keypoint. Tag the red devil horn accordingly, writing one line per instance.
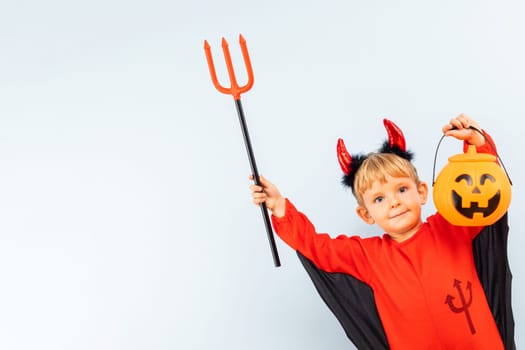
(395, 135)
(345, 159)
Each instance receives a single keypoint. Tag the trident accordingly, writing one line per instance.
(235, 90)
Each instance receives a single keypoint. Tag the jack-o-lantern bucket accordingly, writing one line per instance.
(472, 189)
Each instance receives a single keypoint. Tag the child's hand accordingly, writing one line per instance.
(269, 194)
(460, 128)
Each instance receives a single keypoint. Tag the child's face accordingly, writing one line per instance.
(394, 205)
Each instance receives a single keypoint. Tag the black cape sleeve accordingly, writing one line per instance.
(490, 256)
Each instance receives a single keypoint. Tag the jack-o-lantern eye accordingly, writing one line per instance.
(486, 177)
(465, 177)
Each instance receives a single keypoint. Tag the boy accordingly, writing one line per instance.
(422, 276)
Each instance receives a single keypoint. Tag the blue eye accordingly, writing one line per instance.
(378, 199)
(403, 189)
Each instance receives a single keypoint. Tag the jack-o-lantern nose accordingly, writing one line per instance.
(476, 190)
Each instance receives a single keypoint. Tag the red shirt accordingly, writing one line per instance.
(427, 291)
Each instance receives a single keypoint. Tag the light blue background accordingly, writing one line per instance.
(125, 215)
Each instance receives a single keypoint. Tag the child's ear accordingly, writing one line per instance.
(422, 189)
(363, 213)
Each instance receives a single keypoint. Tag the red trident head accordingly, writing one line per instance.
(235, 90)
(395, 143)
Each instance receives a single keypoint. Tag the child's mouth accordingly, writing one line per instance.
(397, 215)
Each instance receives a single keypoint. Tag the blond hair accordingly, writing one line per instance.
(376, 167)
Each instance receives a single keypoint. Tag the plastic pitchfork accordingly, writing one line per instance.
(235, 90)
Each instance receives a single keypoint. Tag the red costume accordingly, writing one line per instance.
(427, 291)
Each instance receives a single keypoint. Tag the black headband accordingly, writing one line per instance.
(350, 164)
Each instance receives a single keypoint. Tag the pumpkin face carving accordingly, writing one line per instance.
(472, 190)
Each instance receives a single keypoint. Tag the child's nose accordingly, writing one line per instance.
(394, 202)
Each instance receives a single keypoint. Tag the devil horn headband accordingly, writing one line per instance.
(350, 163)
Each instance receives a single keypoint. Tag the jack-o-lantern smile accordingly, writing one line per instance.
(476, 198)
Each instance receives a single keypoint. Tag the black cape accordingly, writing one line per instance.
(353, 304)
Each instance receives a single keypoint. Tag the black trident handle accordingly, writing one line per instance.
(257, 180)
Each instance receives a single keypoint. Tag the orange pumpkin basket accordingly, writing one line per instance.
(472, 189)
